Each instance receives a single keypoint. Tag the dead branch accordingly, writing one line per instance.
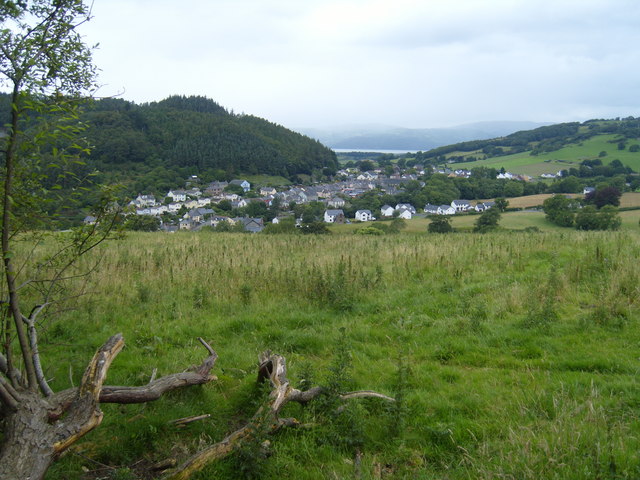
(272, 368)
(181, 422)
(151, 391)
(8, 396)
(35, 351)
(85, 407)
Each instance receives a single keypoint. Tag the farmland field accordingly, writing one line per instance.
(564, 158)
(513, 355)
(514, 220)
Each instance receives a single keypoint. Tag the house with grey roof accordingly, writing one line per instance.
(334, 216)
(364, 216)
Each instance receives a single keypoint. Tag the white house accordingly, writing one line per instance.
(336, 202)
(364, 215)
(446, 210)
(334, 216)
(431, 209)
(461, 205)
(481, 207)
(405, 213)
(177, 195)
(174, 207)
(406, 206)
(246, 186)
(240, 203)
(386, 211)
(142, 201)
(155, 211)
(505, 176)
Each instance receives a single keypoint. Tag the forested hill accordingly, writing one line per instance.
(155, 146)
(164, 141)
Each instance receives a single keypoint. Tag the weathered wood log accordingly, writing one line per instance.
(156, 387)
(272, 368)
(41, 427)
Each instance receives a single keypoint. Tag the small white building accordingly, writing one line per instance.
(142, 201)
(246, 186)
(406, 206)
(386, 211)
(336, 202)
(334, 216)
(405, 213)
(364, 216)
(461, 205)
(177, 195)
(431, 209)
(446, 210)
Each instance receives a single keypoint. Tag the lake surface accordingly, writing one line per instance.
(371, 150)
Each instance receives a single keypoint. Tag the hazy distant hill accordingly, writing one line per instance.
(371, 137)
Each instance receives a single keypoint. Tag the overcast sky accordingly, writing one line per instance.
(410, 63)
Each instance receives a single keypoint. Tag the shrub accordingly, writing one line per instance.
(440, 224)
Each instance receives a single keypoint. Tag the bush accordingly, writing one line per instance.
(488, 221)
(369, 230)
(142, 223)
(440, 224)
(607, 218)
(560, 210)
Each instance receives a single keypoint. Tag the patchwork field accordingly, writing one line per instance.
(512, 355)
(564, 158)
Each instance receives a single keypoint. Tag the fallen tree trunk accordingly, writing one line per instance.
(39, 428)
(273, 369)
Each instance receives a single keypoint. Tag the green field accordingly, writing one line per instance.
(267, 180)
(521, 352)
(551, 162)
(516, 220)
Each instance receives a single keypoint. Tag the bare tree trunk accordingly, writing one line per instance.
(27, 449)
(38, 429)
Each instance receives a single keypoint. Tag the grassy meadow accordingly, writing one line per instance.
(513, 355)
(564, 158)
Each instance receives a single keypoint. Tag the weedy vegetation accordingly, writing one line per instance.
(510, 355)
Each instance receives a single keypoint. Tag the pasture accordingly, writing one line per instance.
(564, 158)
(513, 355)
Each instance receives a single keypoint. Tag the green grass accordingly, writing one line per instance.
(569, 156)
(267, 180)
(518, 220)
(521, 350)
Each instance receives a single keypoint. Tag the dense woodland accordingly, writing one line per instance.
(156, 146)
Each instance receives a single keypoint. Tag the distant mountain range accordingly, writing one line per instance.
(384, 137)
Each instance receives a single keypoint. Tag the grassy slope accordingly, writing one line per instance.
(522, 349)
(266, 180)
(564, 158)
